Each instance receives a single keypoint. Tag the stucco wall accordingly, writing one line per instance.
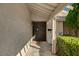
(35, 17)
(59, 28)
(15, 28)
(49, 33)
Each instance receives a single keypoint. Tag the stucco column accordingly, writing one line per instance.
(53, 35)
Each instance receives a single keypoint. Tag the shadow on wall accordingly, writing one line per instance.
(26, 48)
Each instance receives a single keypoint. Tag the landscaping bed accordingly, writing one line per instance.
(67, 46)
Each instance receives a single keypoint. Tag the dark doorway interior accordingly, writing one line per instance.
(39, 29)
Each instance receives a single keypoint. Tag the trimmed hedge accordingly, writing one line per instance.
(67, 46)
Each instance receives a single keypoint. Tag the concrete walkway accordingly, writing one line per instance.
(39, 49)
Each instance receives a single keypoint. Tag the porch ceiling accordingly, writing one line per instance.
(44, 10)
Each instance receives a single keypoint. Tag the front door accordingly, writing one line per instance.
(39, 29)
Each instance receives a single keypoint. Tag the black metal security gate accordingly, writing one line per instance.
(39, 29)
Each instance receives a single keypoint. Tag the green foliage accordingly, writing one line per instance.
(72, 19)
(67, 46)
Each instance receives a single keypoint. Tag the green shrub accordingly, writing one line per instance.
(67, 46)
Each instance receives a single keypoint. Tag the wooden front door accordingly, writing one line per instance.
(39, 29)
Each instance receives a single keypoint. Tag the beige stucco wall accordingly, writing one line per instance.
(38, 18)
(49, 33)
(59, 28)
(15, 28)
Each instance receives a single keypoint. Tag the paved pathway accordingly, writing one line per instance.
(39, 49)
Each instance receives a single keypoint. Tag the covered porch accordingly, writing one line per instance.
(45, 28)
(29, 24)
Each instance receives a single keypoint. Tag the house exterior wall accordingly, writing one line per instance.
(65, 29)
(59, 30)
(15, 28)
(49, 33)
(35, 17)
